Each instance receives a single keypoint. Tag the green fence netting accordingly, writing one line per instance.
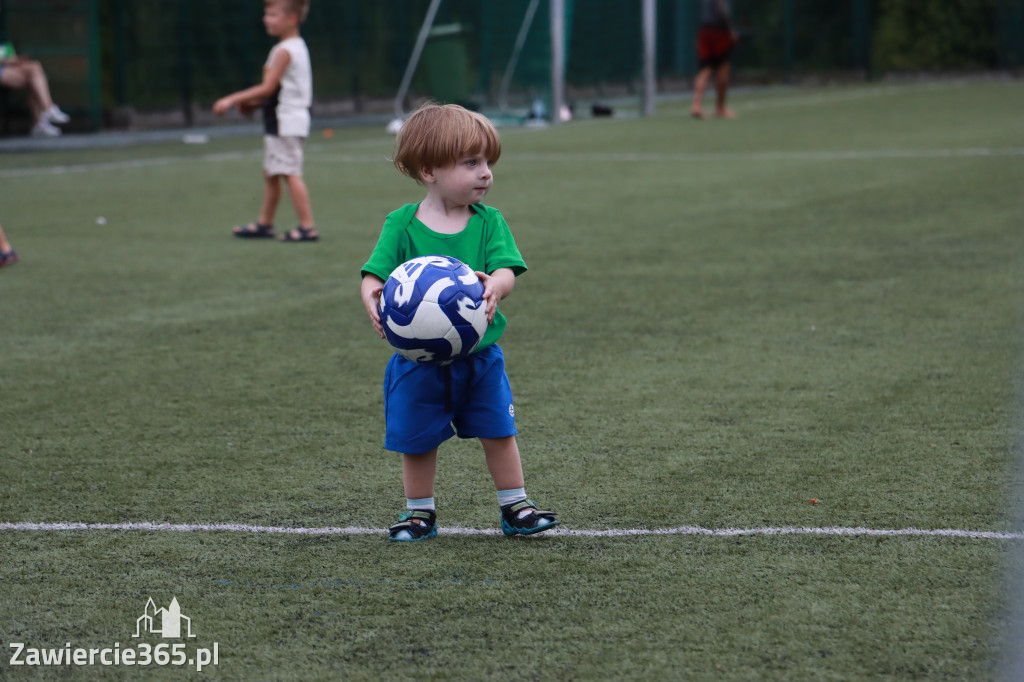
(183, 54)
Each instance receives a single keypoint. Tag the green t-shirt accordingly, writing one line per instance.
(486, 244)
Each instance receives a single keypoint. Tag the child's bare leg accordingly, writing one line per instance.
(300, 199)
(418, 473)
(5, 245)
(271, 197)
(722, 92)
(418, 523)
(503, 462)
(700, 83)
(518, 514)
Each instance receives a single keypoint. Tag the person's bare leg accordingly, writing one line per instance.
(8, 256)
(722, 92)
(299, 193)
(40, 86)
(29, 75)
(506, 469)
(418, 474)
(35, 103)
(700, 83)
(503, 462)
(271, 197)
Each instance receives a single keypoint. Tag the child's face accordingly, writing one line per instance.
(278, 20)
(465, 183)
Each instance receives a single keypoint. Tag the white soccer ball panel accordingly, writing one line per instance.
(475, 314)
(432, 310)
(433, 294)
(455, 340)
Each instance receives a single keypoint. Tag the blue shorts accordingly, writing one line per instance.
(425, 405)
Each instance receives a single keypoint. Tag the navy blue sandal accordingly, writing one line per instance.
(254, 231)
(414, 525)
(9, 258)
(301, 234)
(523, 518)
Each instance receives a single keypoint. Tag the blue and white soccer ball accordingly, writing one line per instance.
(432, 311)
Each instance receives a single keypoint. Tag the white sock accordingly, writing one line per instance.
(511, 496)
(420, 503)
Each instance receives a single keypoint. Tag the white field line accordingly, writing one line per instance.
(625, 157)
(608, 533)
(119, 165)
(824, 155)
(131, 164)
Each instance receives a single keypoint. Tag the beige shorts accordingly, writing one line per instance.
(282, 155)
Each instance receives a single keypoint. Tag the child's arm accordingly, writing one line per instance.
(497, 286)
(248, 98)
(372, 286)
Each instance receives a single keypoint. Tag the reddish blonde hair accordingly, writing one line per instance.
(297, 7)
(437, 136)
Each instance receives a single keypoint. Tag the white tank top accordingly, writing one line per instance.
(292, 101)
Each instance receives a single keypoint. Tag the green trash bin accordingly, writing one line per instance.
(446, 64)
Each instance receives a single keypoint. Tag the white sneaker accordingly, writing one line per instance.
(53, 114)
(45, 129)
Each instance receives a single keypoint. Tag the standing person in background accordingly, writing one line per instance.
(715, 40)
(285, 94)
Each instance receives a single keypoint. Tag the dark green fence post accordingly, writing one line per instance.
(185, 59)
(1010, 34)
(120, 57)
(861, 20)
(354, 20)
(484, 65)
(95, 91)
(787, 37)
(686, 32)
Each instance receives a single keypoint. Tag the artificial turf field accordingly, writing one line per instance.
(722, 321)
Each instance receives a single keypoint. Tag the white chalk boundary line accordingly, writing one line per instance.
(564, 532)
(836, 155)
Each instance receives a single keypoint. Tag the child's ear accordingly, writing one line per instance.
(427, 173)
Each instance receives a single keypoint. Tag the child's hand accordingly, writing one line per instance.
(370, 291)
(221, 106)
(497, 286)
